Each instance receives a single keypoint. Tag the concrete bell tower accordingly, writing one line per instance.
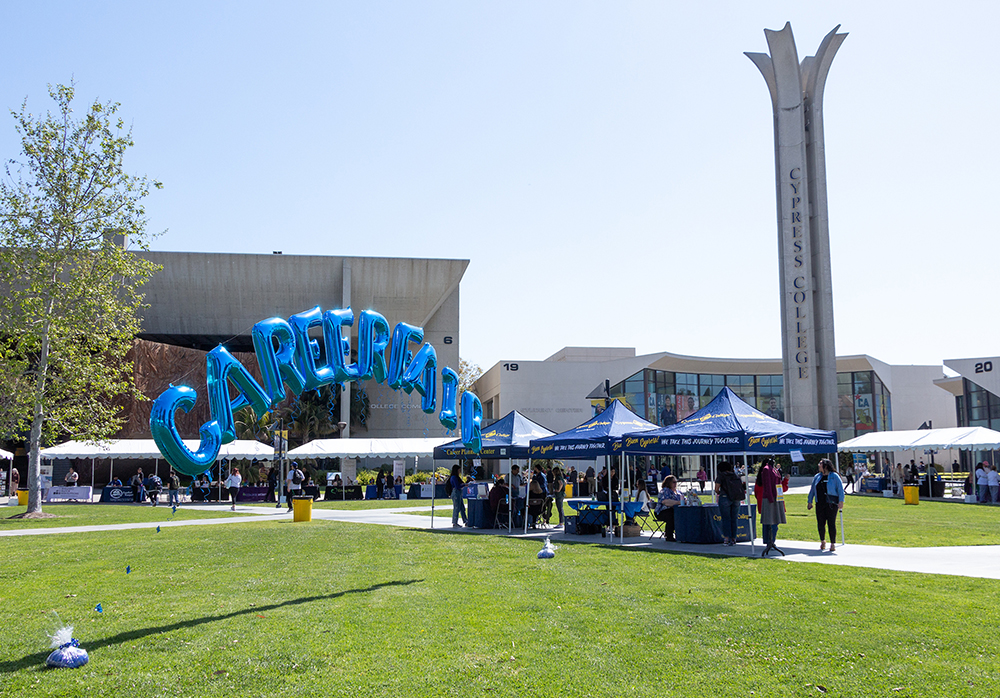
(808, 353)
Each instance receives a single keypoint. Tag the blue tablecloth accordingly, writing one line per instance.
(704, 524)
(481, 516)
(372, 490)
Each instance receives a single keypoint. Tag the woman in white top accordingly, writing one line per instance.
(642, 496)
(982, 483)
(993, 480)
(233, 483)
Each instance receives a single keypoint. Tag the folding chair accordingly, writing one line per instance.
(655, 525)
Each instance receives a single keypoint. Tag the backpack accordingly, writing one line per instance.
(175, 482)
(732, 487)
(447, 487)
(297, 477)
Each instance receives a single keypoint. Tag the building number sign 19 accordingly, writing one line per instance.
(510, 367)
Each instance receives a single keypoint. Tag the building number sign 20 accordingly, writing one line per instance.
(981, 367)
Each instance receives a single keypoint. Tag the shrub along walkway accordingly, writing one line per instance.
(966, 561)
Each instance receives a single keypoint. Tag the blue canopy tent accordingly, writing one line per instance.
(507, 438)
(729, 425)
(601, 435)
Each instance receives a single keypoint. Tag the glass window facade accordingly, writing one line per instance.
(978, 407)
(665, 397)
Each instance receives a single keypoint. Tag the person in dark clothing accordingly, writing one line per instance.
(828, 492)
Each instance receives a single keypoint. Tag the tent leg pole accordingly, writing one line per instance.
(526, 498)
(746, 499)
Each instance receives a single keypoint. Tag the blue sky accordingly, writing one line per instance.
(607, 167)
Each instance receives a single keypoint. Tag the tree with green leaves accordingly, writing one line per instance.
(70, 288)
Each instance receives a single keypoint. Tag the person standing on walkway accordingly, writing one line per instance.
(702, 477)
(982, 483)
(828, 492)
(173, 489)
(559, 492)
(233, 483)
(293, 483)
(731, 491)
(457, 502)
(770, 504)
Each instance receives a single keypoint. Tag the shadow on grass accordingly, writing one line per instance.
(38, 658)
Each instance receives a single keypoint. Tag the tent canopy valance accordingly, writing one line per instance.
(146, 449)
(6, 455)
(965, 438)
(729, 425)
(598, 436)
(509, 437)
(368, 448)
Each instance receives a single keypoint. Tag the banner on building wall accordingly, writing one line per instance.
(864, 415)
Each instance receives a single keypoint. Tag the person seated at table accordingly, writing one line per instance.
(641, 495)
(115, 483)
(498, 497)
(71, 477)
(668, 499)
(399, 480)
(337, 482)
(536, 500)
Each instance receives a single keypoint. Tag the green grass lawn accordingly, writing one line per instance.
(333, 609)
(101, 514)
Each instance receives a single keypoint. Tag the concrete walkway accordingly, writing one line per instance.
(981, 561)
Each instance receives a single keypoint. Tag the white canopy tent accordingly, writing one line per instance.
(6, 455)
(964, 438)
(113, 449)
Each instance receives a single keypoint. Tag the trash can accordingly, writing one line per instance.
(911, 494)
(302, 508)
(569, 490)
(22, 498)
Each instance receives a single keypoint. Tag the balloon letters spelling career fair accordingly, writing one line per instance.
(289, 357)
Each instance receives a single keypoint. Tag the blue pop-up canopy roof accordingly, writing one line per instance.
(507, 438)
(598, 436)
(729, 425)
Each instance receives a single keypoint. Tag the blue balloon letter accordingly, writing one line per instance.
(422, 375)
(449, 398)
(338, 348)
(472, 422)
(307, 350)
(401, 355)
(373, 338)
(277, 366)
(222, 368)
(164, 429)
